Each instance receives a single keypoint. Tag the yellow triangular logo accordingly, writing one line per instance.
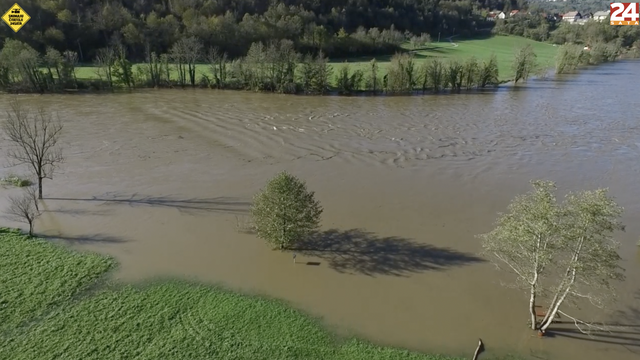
(16, 17)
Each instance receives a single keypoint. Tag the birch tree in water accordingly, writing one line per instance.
(561, 252)
(34, 137)
(588, 256)
(526, 238)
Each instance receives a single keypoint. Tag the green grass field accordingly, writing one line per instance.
(37, 276)
(503, 46)
(46, 313)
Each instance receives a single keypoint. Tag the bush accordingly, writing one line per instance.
(16, 180)
(284, 212)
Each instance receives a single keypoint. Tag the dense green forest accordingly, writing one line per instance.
(538, 27)
(376, 26)
(584, 6)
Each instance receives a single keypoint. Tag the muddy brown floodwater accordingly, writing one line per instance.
(160, 179)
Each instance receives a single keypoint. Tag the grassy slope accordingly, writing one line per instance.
(168, 320)
(503, 46)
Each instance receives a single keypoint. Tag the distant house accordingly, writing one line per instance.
(491, 17)
(513, 12)
(572, 16)
(501, 15)
(601, 15)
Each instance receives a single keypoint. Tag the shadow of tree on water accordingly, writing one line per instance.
(221, 204)
(85, 239)
(360, 252)
(624, 330)
(79, 212)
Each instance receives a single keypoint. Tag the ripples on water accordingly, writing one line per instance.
(511, 124)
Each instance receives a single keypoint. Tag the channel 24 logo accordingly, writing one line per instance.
(625, 13)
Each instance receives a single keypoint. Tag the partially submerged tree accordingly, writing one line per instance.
(524, 63)
(402, 74)
(20, 67)
(218, 62)
(454, 75)
(470, 73)
(24, 207)
(373, 79)
(488, 73)
(35, 140)
(185, 53)
(433, 74)
(284, 212)
(563, 252)
(525, 238)
(105, 61)
(588, 256)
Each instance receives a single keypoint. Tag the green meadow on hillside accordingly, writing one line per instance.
(504, 47)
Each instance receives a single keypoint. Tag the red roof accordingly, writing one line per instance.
(513, 12)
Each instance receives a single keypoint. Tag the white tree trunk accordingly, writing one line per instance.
(570, 277)
(546, 316)
(532, 307)
(554, 310)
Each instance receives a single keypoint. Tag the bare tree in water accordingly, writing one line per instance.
(35, 138)
(24, 208)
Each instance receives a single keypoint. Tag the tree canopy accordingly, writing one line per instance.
(233, 25)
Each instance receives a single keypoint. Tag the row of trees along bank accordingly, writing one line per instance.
(274, 67)
(570, 57)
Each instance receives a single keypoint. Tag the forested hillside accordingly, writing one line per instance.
(84, 26)
(584, 6)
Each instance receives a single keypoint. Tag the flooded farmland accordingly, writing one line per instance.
(162, 180)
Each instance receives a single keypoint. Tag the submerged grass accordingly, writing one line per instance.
(160, 320)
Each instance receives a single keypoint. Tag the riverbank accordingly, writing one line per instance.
(56, 304)
(443, 67)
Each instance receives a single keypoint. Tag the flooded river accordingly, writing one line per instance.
(162, 180)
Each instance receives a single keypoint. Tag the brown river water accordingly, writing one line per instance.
(161, 180)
